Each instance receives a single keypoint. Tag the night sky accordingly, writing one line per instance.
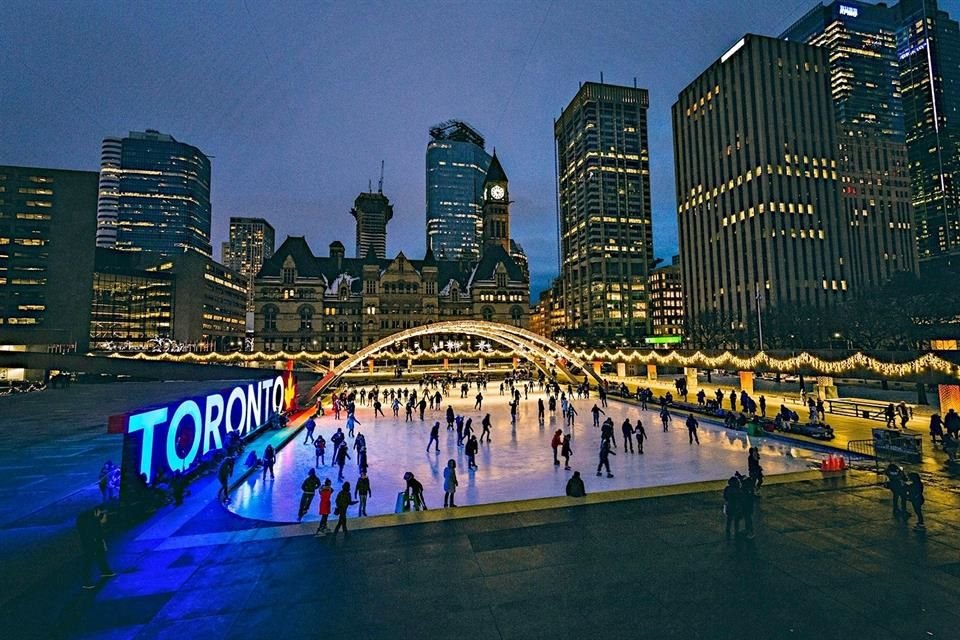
(297, 103)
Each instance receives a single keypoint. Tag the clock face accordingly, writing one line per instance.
(497, 192)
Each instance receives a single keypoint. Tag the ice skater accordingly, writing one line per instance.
(269, 459)
(540, 411)
(692, 425)
(665, 419)
(352, 423)
(326, 494)
(451, 416)
(605, 453)
(641, 434)
(319, 451)
(485, 423)
(471, 451)
(555, 443)
(309, 486)
(434, 437)
(477, 405)
(566, 451)
(363, 492)
(340, 459)
(450, 483)
(627, 429)
(413, 494)
(309, 426)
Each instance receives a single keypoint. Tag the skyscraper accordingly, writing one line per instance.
(251, 242)
(603, 181)
(496, 207)
(759, 213)
(154, 195)
(372, 211)
(928, 48)
(48, 221)
(666, 300)
(872, 163)
(456, 170)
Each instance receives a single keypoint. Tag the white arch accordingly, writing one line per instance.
(513, 337)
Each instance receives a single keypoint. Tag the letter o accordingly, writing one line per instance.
(174, 461)
(237, 395)
(278, 394)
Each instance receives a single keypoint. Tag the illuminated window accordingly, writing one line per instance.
(306, 317)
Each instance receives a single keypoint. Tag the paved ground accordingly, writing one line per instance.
(517, 464)
(828, 562)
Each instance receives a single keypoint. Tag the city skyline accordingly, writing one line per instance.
(284, 150)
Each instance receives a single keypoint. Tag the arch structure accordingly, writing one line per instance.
(542, 352)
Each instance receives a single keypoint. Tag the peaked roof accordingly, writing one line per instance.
(495, 171)
(493, 254)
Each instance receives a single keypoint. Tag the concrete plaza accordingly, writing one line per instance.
(516, 465)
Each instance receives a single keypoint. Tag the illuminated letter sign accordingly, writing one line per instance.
(853, 12)
(177, 436)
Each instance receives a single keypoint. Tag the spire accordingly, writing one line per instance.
(495, 171)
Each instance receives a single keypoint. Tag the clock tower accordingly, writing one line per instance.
(496, 207)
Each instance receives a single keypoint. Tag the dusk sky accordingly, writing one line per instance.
(298, 102)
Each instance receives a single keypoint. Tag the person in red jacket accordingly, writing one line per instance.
(326, 493)
(555, 443)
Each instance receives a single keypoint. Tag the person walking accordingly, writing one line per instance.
(308, 487)
(692, 425)
(747, 496)
(450, 417)
(471, 451)
(897, 483)
(340, 459)
(319, 451)
(733, 400)
(763, 406)
(485, 423)
(342, 503)
(479, 402)
(434, 437)
(450, 483)
(951, 422)
(309, 426)
(890, 413)
(269, 459)
(754, 470)
(555, 443)
(665, 419)
(93, 546)
(596, 411)
(362, 492)
(575, 488)
(627, 429)
(326, 495)
(915, 496)
(605, 453)
(224, 472)
(566, 451)
(641, 434)
(936, 428)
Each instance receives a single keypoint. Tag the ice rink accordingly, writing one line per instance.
(516, 465)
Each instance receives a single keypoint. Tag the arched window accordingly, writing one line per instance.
(502, 279)
(488, 313)
(270, 317)
(306, 317)
(516, 314)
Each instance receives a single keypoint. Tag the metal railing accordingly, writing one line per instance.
(863, 409)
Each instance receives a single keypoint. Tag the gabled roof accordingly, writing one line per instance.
(495, 171)
(492, 256)
(297, 248)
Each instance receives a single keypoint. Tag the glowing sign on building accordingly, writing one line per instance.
(852, 12)
(178, 435)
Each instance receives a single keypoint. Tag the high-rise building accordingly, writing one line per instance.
(758, 195)
(372, 211)
(456, 170)
(251, 242)
(872, 163)
(666, 300)
(928, 49)
(48, 222)
(154, 195)
(603, 181)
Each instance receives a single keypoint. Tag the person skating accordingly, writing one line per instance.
(460, 433)
(434, 437)
(605, 453)
(596, 411)
(627, 429)
(362, 459)
(224, 472)
(540, 410)
(342, 503)
(471, 451)
(319, 451)
(309, 426)
(485, 424)
(308, 488)
(93, 546)
(566, 451)
(555, 443)
(363, 492)
(337, 440)
(575, 488)
(395, 405)
(340, 459)
(571, 414)
(479, 402)
(640, 434)
(915, 496)
(269, 459)
(451, 416)
(352, 423)
(692, 425)
(754, 470)
(665, 419)
(326, 495)
(422, 406)
(606, 432)
(450, 483)
(413, 493)
(378, 408)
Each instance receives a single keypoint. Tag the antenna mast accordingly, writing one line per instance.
(380, 187)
